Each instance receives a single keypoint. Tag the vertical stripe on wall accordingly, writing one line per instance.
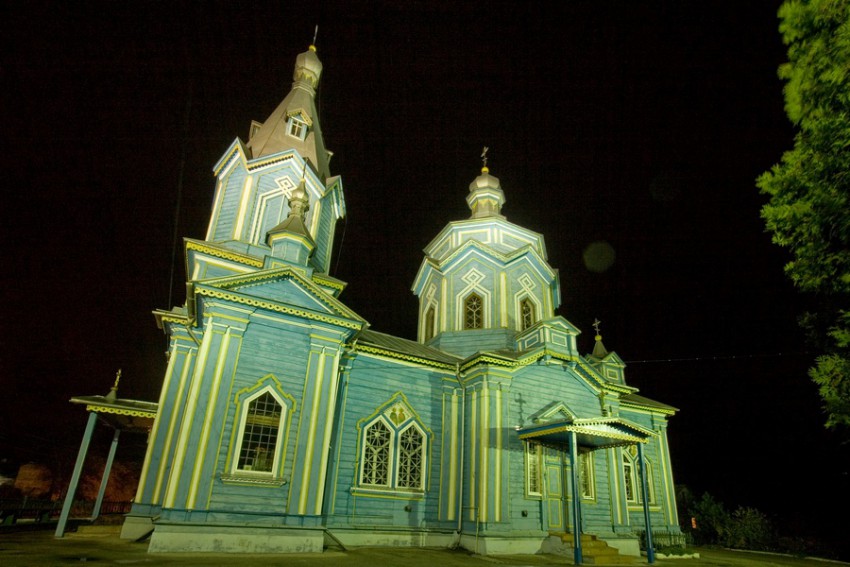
(212, 401)
(154, 433)
(172, 424)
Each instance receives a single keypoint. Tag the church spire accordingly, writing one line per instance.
(295, 122)
(599, 350)
(485, 197)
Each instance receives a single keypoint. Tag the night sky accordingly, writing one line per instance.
(640, 124)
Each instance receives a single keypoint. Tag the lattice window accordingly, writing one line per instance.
(410, 458)
(527, 312)
(376, 455)
(394, 451)
(533, 468)
(259, 439)
(473, 309)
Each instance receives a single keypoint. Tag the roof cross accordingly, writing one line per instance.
(484, 156)
(596, 323)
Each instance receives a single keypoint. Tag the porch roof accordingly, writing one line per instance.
(123, 414)
(593, 432)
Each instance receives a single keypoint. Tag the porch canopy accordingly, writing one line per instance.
(590, 432)
(593, 433)
(134, 416)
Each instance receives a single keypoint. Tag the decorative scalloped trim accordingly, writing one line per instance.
(121, 411)
(278, 308)
(410, 358)
(226, 255)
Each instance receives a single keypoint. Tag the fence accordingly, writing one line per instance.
(14, 509)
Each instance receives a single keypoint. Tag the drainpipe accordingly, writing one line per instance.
(462, 451)
(650, 550)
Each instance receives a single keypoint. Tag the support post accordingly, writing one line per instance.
(650, 550)
(75, 478)
(105, 479)
(577, 553)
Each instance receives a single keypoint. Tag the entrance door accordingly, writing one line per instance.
(556, 473)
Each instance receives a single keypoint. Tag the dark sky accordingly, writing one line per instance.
(642, 124)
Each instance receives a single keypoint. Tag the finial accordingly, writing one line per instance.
(113, 392)
(315, 33)
(484, 168)
(596, 323)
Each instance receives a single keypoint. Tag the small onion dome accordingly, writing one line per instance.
(485, 197)
(308, 68)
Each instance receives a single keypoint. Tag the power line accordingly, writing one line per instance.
(708, 358)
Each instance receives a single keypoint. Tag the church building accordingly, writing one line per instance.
(286, 424)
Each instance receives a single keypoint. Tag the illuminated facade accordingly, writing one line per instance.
(285, 423)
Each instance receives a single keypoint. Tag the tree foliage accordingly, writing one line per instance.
(808, 211)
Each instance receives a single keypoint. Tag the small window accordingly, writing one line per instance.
(533, 468)
(631, 481)
(473, 309)
(587, 481)
(430, 317)
(297, 128)
(259, 438)
(527, 312)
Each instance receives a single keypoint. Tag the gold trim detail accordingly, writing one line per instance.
(226, 255)
(121, 411)
(277, 307)
(399, 356)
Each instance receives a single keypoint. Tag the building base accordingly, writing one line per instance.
(504, 545)
(136, 527)
(205, 538)
(377, 537)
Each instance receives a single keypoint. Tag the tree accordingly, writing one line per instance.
(808, 211)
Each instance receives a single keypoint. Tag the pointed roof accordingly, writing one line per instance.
(274, 134)
(299, 204)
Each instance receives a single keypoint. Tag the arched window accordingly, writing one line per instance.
(410, 458)
(259, 435)
(394, 452)
(376, 455)
(631, 470)
(527, 314)
(473, 311)
(430, 316)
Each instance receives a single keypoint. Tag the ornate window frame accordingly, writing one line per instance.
(244, 401)
(296, 127)
(405, 466)
(471, 309)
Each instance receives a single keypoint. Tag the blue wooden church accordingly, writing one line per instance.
(285, 422)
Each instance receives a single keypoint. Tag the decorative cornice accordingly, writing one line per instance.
(224, 254)
(278, 307)
(286, 272)
(399, 356)
(328, 282)
(647, 407)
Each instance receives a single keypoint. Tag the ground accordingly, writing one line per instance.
(36, 548)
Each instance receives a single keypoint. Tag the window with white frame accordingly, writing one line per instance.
(393, 456)
(260, 434)
(297, 128)
(534, 468)
(586, 477)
